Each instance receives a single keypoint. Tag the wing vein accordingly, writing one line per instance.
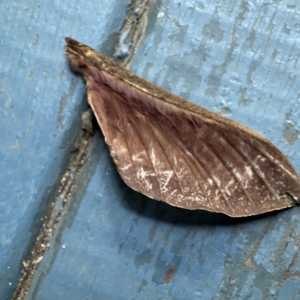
(163, 150)
(253, 166)
(268, 157)
(183, 156)
(208, 174)
(129, 152)
(142, 142)
(212, 148)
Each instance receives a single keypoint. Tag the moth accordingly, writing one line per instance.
(172, 150)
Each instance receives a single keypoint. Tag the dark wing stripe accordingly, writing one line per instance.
(277, 162)
(217, 185)
(142, 142)
(268, 156)
(257, 172)
(202, 166)
(150, 160)
(163, 150)
(172, 139)
(129, 152)
(232, 173)
(209, 176)
(196, 162)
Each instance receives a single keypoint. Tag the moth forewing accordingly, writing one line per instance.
(175, 151)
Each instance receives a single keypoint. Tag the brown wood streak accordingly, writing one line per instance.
(175, 151)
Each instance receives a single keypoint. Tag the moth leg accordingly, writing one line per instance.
(87, 121)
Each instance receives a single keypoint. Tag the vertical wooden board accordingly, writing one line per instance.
(40, 106)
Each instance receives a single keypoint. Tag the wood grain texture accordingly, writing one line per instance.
(174, 151)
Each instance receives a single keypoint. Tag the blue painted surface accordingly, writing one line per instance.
(237, 58)
(40, 106)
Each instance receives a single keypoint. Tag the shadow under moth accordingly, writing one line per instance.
(172, 150)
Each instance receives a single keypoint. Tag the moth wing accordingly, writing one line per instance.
(187, 159)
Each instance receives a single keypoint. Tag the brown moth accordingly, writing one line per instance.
(175, 151)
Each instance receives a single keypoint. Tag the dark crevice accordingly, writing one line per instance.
(292, 199)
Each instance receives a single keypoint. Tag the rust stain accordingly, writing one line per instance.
(244, 101)
(35, 43)
(31, 74)
(290, 134)
(288, 273)
(169, 275)
(63, 102)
